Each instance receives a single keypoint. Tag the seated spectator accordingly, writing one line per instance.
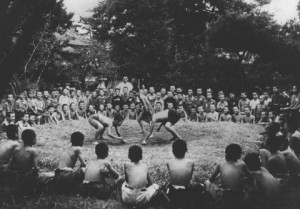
(81, 110)
(125, 111)
(201, 114)
(182, 112)
(9, 120)
(137, 190)
(271, 117)
(132, 114)
(266, 186)
(67, 175)
(110, 112)
(90, 111)
(32, 121)
(209, 101)
(23, 124)
(24, 164)
(52, 118)
(225, 116)
(222, 104)
(158, 107)
(59, 113)
(254, 102)
(264, 120)
(66, 112)
(93, 100)
(292, 161)
(159, 100)
(294, 137)
(260, 107)
(181, 191)
(193, 115)
(102, 110)
(97, 181)
(276, 163)
(8, 145)
(230, 193)
(73, 112)
(243, 102)
(248, 117)
(236, 116)
(21, 106)
(212, 116)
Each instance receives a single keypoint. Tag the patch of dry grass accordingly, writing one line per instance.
(206, 145)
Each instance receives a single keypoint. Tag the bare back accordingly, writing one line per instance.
(7, 148)
(24, 159)
(180, 171)
(136, 175)
(232, 175)
(97, 171)
(104, 120)
(69, 158)
(161, 116)
(277, 164)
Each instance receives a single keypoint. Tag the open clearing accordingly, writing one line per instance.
(206, 145)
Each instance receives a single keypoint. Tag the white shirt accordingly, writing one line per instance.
(123, 84)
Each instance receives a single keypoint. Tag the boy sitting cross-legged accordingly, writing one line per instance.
(138, 189)
(266, 186)
(97, 180)
(7, 147)
(24, 165)
(181, 191)
(67, 175)
(230, 194)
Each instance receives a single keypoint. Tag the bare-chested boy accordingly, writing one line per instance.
(7, 146)
(101, 122)
(276, 163)
(232, 173)
(168, 118)
(181, 191)
(293, 163)
(266, 186)
(24, 162)
(138, 189)
(67, 175)
(97, 181)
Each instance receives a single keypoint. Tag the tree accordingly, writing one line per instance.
(21, 23)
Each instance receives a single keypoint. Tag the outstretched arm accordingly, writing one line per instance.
(112, 135)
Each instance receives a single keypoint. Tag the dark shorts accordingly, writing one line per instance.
(173, 116)
(146, 116)
(66, 176)
(195, 193)
(98, 189)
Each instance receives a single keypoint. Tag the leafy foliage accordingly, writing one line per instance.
(22, 23)
(220, 43)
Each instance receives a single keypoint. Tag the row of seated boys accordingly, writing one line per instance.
(99, 178)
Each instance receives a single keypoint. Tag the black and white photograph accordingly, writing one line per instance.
(150, 104)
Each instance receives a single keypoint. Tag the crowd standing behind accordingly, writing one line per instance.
(33, 108)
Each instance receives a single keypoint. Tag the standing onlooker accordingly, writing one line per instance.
(254, 102)
(9, 105)
(123, 84)
(64, 99)
(295, 106)
(243, 102)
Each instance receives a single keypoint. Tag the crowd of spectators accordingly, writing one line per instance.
(31, 108)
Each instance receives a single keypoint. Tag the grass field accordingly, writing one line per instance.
(206, 145)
